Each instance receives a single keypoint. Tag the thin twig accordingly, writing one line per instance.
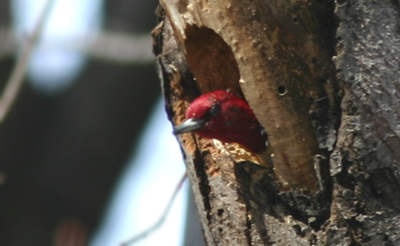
(14, 83)
(161, 220)
(110, 46)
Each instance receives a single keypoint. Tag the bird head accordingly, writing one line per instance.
(226, 117)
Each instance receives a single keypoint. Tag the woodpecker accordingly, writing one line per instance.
(222, 115)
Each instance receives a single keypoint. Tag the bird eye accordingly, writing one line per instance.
(214, 110)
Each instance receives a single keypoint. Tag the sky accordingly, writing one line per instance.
(147, 183)
(146, 188)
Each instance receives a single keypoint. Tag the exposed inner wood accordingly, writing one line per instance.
(273, 58)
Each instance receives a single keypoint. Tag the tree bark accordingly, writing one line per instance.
(335, 178)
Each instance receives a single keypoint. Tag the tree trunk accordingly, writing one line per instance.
(333, 126)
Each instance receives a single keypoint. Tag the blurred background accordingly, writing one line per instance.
(86, 152)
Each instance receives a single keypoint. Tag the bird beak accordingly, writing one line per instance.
(189, 125)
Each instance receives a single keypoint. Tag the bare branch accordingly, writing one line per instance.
(111, 46)
(14, 83)
(161, 220)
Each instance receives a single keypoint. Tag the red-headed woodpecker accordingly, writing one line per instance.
(228, 118)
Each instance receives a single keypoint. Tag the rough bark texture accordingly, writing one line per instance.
(365, 163)
(279, 54)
